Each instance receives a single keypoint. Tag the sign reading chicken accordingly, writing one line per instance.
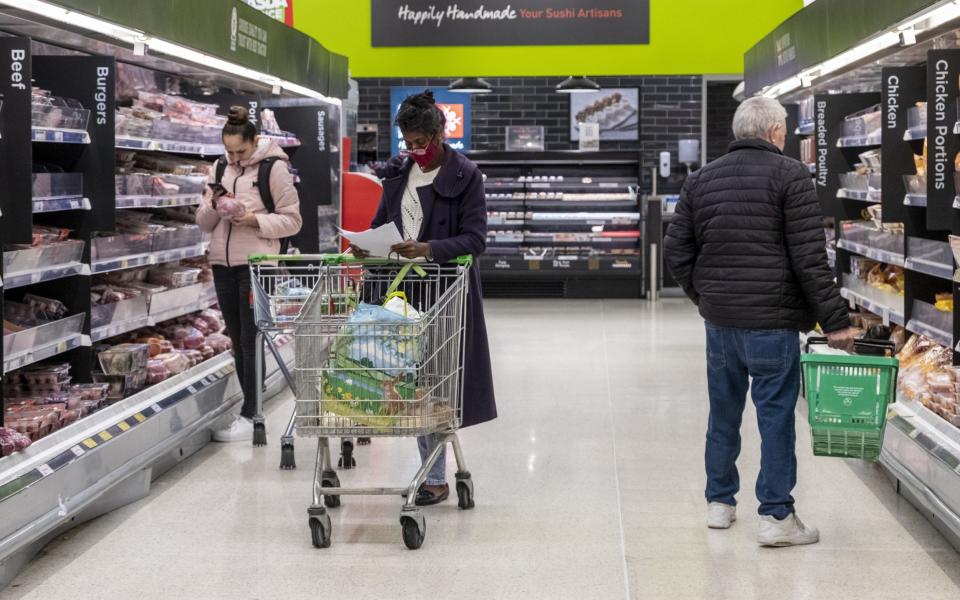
(456, 110)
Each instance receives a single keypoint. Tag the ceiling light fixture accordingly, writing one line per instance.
(470, 85)
(577, 85)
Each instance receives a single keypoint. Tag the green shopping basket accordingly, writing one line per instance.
(847, 398)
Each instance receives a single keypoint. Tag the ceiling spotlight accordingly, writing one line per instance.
(470, 85)
(577, 85)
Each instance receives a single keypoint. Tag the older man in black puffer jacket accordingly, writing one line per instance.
(747, 246)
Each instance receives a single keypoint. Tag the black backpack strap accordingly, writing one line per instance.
(263, 183)
(266, 196)
(221, 168)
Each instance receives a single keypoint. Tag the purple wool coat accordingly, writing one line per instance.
(454, 224)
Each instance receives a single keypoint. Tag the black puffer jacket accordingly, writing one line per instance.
(747, 244)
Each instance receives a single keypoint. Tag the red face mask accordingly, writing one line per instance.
(424, 156)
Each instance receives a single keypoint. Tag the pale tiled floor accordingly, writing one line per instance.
(588, 486)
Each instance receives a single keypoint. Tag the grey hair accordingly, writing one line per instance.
(756, 116)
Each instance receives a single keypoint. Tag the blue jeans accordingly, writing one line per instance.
(437, 474)
(771, 359)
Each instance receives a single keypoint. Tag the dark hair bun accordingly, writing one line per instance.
(238, 115)
(428, 96)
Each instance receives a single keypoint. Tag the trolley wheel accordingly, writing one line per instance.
(465, 495)
(259, 433)
(363, 441)
(347, 461)
(288, 459)
(413, 535)
(330, 500)
(320, 530)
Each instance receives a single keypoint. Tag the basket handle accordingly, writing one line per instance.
(860, 344)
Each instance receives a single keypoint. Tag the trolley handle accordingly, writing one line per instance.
(859, 344)
(341, 259)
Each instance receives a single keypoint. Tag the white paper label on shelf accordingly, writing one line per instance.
(77, 451)
(156, 409)
(886, 317)
(45, 470)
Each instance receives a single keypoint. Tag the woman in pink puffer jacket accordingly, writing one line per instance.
(240, 225)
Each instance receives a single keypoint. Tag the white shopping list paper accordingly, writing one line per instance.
(375, 241)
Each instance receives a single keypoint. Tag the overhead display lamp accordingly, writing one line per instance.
(471, 85)
(577, 85)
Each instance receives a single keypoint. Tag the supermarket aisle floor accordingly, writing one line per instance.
(589, 486)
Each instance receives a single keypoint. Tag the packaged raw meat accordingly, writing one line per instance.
(229, 208)
(50, 308)
(92, 406)
(219, 342)
(214, 319)
(174, 277)
(194, 356)
(91, 391)
(202, 326)
(122, 386)
(175, 362)
(124, 358)
(157, 371)
(207, 352)
(12, 441)
(49, 375)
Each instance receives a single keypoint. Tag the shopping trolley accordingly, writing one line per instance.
(362, 370)
(279, 292)
(847, 397)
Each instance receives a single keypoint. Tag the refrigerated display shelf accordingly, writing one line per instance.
(858, 141)
(115, 329)
(43, 352)
(52, 135)
(805, 129)
(915, 134)
(282, 140)
(933, 269)
(936, 334)
(574, 264)
(47, 205)
(922, 452)
(580, 205)
(861, 195)
(158, 201)
(881, 255)
(144, 260)
(171, 146)
(110, 458)
(201, 304)
(47, 273)
(888, 314)
(919, 200)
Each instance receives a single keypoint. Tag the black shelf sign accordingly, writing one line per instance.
(943, 68)
(903, 87)
(16, 160)
(536, 23)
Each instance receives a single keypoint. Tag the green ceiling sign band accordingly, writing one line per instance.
(818, 32)
(233, 31)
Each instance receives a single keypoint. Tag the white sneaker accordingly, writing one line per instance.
(238, 430)
(788, 532)
(720, 515)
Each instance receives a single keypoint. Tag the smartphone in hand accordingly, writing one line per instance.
(218, 189)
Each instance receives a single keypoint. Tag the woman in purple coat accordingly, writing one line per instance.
(435, 196)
